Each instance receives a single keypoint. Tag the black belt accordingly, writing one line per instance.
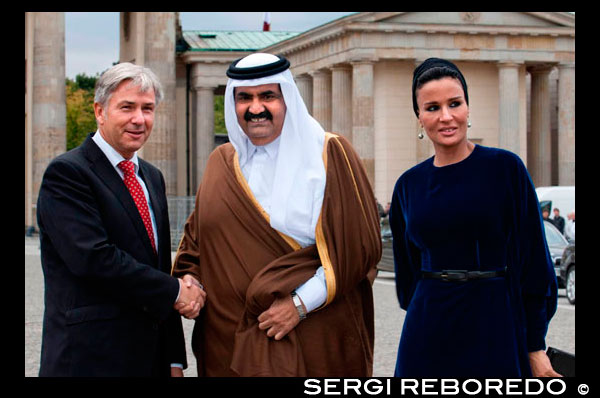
(453, 275)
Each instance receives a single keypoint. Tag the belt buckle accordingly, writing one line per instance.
(454, 275)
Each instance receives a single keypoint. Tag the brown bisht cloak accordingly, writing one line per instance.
(245, 264)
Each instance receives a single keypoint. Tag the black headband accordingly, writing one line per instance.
(433, 63)
(259, 71)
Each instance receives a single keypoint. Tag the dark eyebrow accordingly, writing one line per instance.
(262, 93)
(449, 99)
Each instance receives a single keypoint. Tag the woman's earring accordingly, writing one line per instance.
(469, 124)
(420, 134)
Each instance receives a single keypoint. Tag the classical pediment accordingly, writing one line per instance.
(502, 19)
(524, 37)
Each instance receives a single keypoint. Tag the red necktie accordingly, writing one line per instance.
(137, 193)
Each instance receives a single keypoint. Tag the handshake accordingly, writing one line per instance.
(191, 297)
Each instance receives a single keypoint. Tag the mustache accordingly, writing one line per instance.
(249, 115)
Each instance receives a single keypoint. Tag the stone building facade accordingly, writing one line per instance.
(355, 76)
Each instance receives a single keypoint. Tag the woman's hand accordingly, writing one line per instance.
(540, 365)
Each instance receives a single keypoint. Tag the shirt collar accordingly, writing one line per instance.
(111, 154)
(272, 148)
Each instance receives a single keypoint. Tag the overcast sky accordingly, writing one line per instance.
(92, 38)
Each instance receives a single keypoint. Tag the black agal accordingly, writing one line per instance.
(258, 71)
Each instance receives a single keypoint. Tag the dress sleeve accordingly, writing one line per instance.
(538, 283)
(407, 257)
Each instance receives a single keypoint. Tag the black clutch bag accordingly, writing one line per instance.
(562, 362)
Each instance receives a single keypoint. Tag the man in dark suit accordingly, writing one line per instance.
(111, 305)
(558, 221)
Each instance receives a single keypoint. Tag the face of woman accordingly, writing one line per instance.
(443, 112)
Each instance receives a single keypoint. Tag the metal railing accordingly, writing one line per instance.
(180, 208)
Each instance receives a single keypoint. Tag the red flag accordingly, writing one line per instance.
(267, 22)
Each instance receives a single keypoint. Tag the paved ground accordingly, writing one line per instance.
(388, 320)
(34, 311)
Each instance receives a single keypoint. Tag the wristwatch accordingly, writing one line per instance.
(299, 306)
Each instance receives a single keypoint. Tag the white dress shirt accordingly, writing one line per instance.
(115, 158)
(259, 171)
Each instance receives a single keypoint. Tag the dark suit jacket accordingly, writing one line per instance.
(108, 297)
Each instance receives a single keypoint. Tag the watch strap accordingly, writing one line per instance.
(299, 306)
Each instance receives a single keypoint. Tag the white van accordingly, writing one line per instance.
(560, 197)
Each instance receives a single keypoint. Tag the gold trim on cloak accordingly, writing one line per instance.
(319, 233)
(320, 239)
(321, 242)
(244, 184)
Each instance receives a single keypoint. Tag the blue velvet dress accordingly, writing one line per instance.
(479, 214)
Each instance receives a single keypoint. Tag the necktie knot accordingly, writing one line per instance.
(127, 166)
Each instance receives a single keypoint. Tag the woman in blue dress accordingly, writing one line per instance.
(472, 265)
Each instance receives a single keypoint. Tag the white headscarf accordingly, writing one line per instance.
(299, 181)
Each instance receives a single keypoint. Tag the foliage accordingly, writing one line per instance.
(86, 82)
(80, 109)
(220, 115)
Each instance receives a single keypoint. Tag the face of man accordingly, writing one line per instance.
(260, 111)
(126, 121)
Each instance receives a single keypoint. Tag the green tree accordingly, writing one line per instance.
(220, 115)
(80, 109)
(85, 82)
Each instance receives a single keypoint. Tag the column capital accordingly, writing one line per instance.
(540, 69)
(508, 64)
(319, 72)
(362, 61)
(342, 67)
(566, 65)
(303, 76)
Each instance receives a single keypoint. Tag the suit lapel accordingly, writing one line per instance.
(100, 165)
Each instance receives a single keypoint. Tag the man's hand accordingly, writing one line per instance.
(191, 297)
(280, 318)
(176, 371)
(540, 365)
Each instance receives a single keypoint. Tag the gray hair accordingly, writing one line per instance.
(139, 76)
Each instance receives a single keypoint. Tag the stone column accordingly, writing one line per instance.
(49, 110)
(305, 86)
(204, 132)
(341, 102)
(322, 98)
(159, 55)
(508, 125)
(566, 124)
(29, 20)
(424, 146)
(539, 147)
(363, 115)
